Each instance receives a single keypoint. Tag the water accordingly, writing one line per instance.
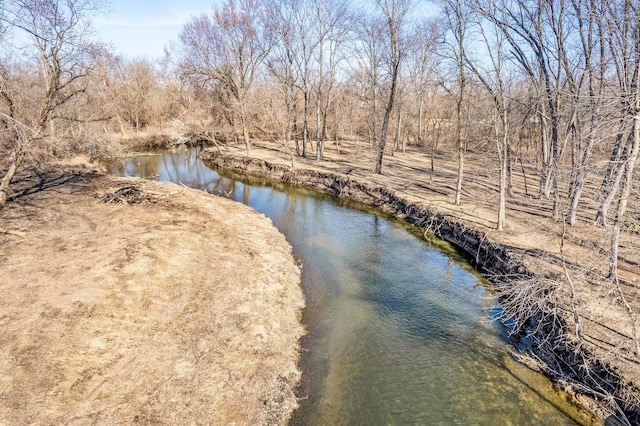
(398, 331)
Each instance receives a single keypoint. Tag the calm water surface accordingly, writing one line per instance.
(398, 332)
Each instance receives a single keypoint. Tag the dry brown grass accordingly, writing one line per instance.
(181, 308)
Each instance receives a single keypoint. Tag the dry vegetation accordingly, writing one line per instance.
(128, 301)
(520, 119)
(553, 276)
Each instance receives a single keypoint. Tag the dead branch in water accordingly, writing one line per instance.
(526, 303)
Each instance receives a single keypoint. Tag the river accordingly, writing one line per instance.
(399, 329)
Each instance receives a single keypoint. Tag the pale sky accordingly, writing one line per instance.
(138, 28)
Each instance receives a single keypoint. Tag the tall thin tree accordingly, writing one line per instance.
(456, 15)
(396, 15)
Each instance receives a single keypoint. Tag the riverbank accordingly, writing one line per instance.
(130, 301)
(553, 269)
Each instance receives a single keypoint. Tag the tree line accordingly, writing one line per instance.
(550, 84)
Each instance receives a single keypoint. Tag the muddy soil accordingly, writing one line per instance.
(128, 301)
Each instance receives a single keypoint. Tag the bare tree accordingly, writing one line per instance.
(281, 64)
(589, 15)
(57, 37)
(139, 85)
(631, 64)
(535, 32)
(227, 48)
(331, 29)
(305, 48)
(368, 49)
(422, 62)
(395, 15)
(457, 18)
(621, 20)
(493, 78)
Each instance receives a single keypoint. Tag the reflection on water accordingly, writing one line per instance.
(398, 332)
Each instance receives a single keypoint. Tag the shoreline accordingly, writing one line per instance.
(500, 263)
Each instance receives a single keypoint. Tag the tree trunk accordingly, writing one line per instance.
(336, 125)
(323, 135)
(579, 182)
(626, 191)
(405, 138)
(319, 135)
(503, 147)
(374, 123)
(582, 172)
(245, 132)
(399, 128)
(555, 157)
(394, 18)
(614, 185)
(617, 154)
(385, 121)
(15, 160)
(460, 150)
(290, 100)
(295, 125)
(318, 131)
(305, 122)
(545, 156)
(509, 169)
(434, 146)
(420, 120)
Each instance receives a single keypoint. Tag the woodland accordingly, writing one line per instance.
(544, 92)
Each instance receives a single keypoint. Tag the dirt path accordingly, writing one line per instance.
(175, 308)
(531, 239)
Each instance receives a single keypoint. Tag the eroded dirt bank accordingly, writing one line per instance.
(506, 264)
(164, 305)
